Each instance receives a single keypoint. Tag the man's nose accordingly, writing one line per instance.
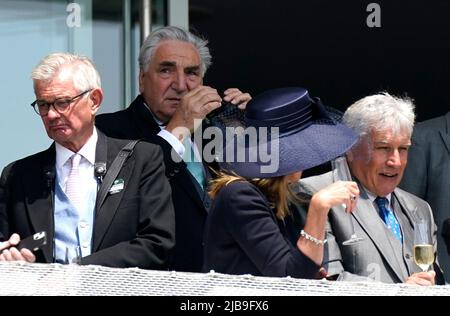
(52, 113)
(180, 82)
(394, 159)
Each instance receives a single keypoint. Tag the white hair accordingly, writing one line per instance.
(173, 33)
(84, 76)
(381, 112)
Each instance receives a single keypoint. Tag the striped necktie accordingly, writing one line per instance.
(388, 217)
(74, 184)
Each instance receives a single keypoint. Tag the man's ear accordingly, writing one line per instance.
(141, 81)
(96, 96)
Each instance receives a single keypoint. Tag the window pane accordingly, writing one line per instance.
(32, 29)
(29, 30)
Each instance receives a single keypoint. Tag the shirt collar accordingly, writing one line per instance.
(159, 122)
(87, 151)
(372, 196)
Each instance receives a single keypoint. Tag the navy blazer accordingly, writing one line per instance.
(243, 236)
(132, 228)
(190, 202)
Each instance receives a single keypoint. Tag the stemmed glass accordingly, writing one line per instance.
(423, 248)
(341, 172)
(72, 275)
(73, 255)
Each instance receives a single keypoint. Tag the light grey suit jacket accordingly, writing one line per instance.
(379, 256)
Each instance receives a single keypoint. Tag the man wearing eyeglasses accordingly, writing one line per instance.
(56, 190)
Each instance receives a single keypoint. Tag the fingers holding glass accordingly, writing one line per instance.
(423, 247)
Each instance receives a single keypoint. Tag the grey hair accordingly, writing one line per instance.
(84, 76)
(174, 33)
(381, 112)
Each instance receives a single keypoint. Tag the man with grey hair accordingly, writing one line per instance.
(57, 190)
(172, 98)
(385, 217)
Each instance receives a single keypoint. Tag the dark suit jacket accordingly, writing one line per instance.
(132, 228)
(379, 256)
(243, 236)
(427, 175)
(190, 202)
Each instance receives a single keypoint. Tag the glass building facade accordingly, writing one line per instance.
(108, 32)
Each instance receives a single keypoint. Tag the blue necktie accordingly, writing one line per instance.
(388, 217)
(194, 166)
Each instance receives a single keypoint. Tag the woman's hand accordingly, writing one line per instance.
(337, 193)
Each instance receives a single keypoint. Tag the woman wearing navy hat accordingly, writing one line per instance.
(245, 231)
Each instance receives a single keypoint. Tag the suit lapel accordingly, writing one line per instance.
(408, 206)
(410, 210)
(145, 123)
(193, 189)
(367, 216)
(108, 209)
(39, 191)
(444, 135)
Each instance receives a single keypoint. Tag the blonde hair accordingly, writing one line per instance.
(276, 190)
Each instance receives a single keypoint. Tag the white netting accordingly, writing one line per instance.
(55, 279)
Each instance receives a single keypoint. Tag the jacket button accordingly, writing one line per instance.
(408, 256)
(171, 174)
(176, 171)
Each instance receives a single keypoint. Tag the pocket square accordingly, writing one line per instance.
(117, 186)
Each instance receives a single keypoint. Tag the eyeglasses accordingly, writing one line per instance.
(61, 105)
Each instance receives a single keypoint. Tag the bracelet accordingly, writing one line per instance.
(313, 239)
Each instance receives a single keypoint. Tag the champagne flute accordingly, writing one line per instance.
(73, 255)
(423, 248)
(72, 275)
(341, 172)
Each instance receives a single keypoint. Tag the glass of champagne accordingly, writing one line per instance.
(341, 172)
(73, 255)
(423, 247)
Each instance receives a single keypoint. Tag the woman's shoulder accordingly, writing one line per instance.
(237, 198)
(240, 188)
(240, 194)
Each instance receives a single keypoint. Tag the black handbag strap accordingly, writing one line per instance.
(113, 172)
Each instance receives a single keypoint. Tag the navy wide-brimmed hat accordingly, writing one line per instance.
(285, 131)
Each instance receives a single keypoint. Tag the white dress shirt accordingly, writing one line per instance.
(174, 142)
(83, 228)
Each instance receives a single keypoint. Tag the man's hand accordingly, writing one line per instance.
(236, 97)
(8, 252)
(422, 278)
(195, 105)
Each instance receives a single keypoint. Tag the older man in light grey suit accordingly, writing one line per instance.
(384, 216)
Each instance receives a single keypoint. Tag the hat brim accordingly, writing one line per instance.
(308, 148)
